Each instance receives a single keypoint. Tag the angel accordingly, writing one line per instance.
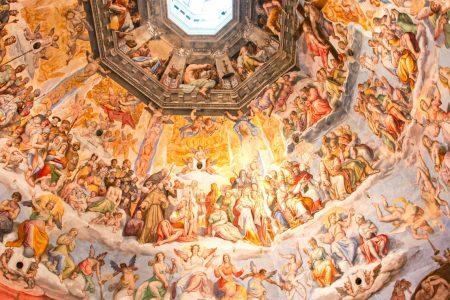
(201, 159)
(123, 143)
(438, 12)
(409, 216)
(87, 267)
(119, 109)
(41, 44)
(444, 259)
(293, 279)
(148, 146)
(243, 125)
(211, 125)
(195, 265)
(194, 127)
(127, 279)
(156, 287)
(76, 27)
(429, 192)
(359, 282)
(93, 66)
(255, 288)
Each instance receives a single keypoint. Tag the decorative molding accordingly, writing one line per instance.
(146, 87)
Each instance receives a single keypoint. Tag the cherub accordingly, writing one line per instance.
(93, 66)
(292, 276)
(127, 280)
(255, 288)
(430, 190)
(353, 288)
(243, 125)
(123, 143)
(10, 155)
(6, 256)
(41, 44)
(76, 27)
(194, 127)
(30, 275)
(410, 216)
(444, 259)
(109, 219)
(210, 125)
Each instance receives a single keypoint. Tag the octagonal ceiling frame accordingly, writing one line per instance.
(229, 34)
(136, 80)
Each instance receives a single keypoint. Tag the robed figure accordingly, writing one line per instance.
(153, 205)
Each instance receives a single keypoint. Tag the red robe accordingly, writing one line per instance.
(376, 241)
(318, 108)
(117, 115)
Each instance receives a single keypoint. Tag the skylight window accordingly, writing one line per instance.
(200, 17)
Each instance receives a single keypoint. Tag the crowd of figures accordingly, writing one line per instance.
(200, 78)
(256, 205)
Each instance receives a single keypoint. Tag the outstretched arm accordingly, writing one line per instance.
(231, 117)
(193, 117)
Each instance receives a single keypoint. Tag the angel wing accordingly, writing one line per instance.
(343, 216)
(323, 229)
(132, 261)
(31, 36)
(167, 121)
(207, 252)
(213, 162)
(285, 256)
(89, 56)
(376, 271)
(253, 268)
(181, 254)
(271, 274)
(115, 266)
(37, 30)
(399, 228)
(188, 119)
(342, 291)
(51, 32)
(28, 203)
(91, 251)
(58, 221)
(422, 164)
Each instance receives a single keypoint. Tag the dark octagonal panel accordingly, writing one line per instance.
(218, 48)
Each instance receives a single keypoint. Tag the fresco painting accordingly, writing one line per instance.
(332, 182)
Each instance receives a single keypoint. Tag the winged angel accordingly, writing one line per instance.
(293, 279)
(200, 124)
(193, 280)
(127, 282)
(255, 288)
(357, 284)
(40, 44)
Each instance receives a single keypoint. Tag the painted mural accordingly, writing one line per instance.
(332, 184)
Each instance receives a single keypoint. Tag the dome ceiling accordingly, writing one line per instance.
(231, 91)
(224, 150)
